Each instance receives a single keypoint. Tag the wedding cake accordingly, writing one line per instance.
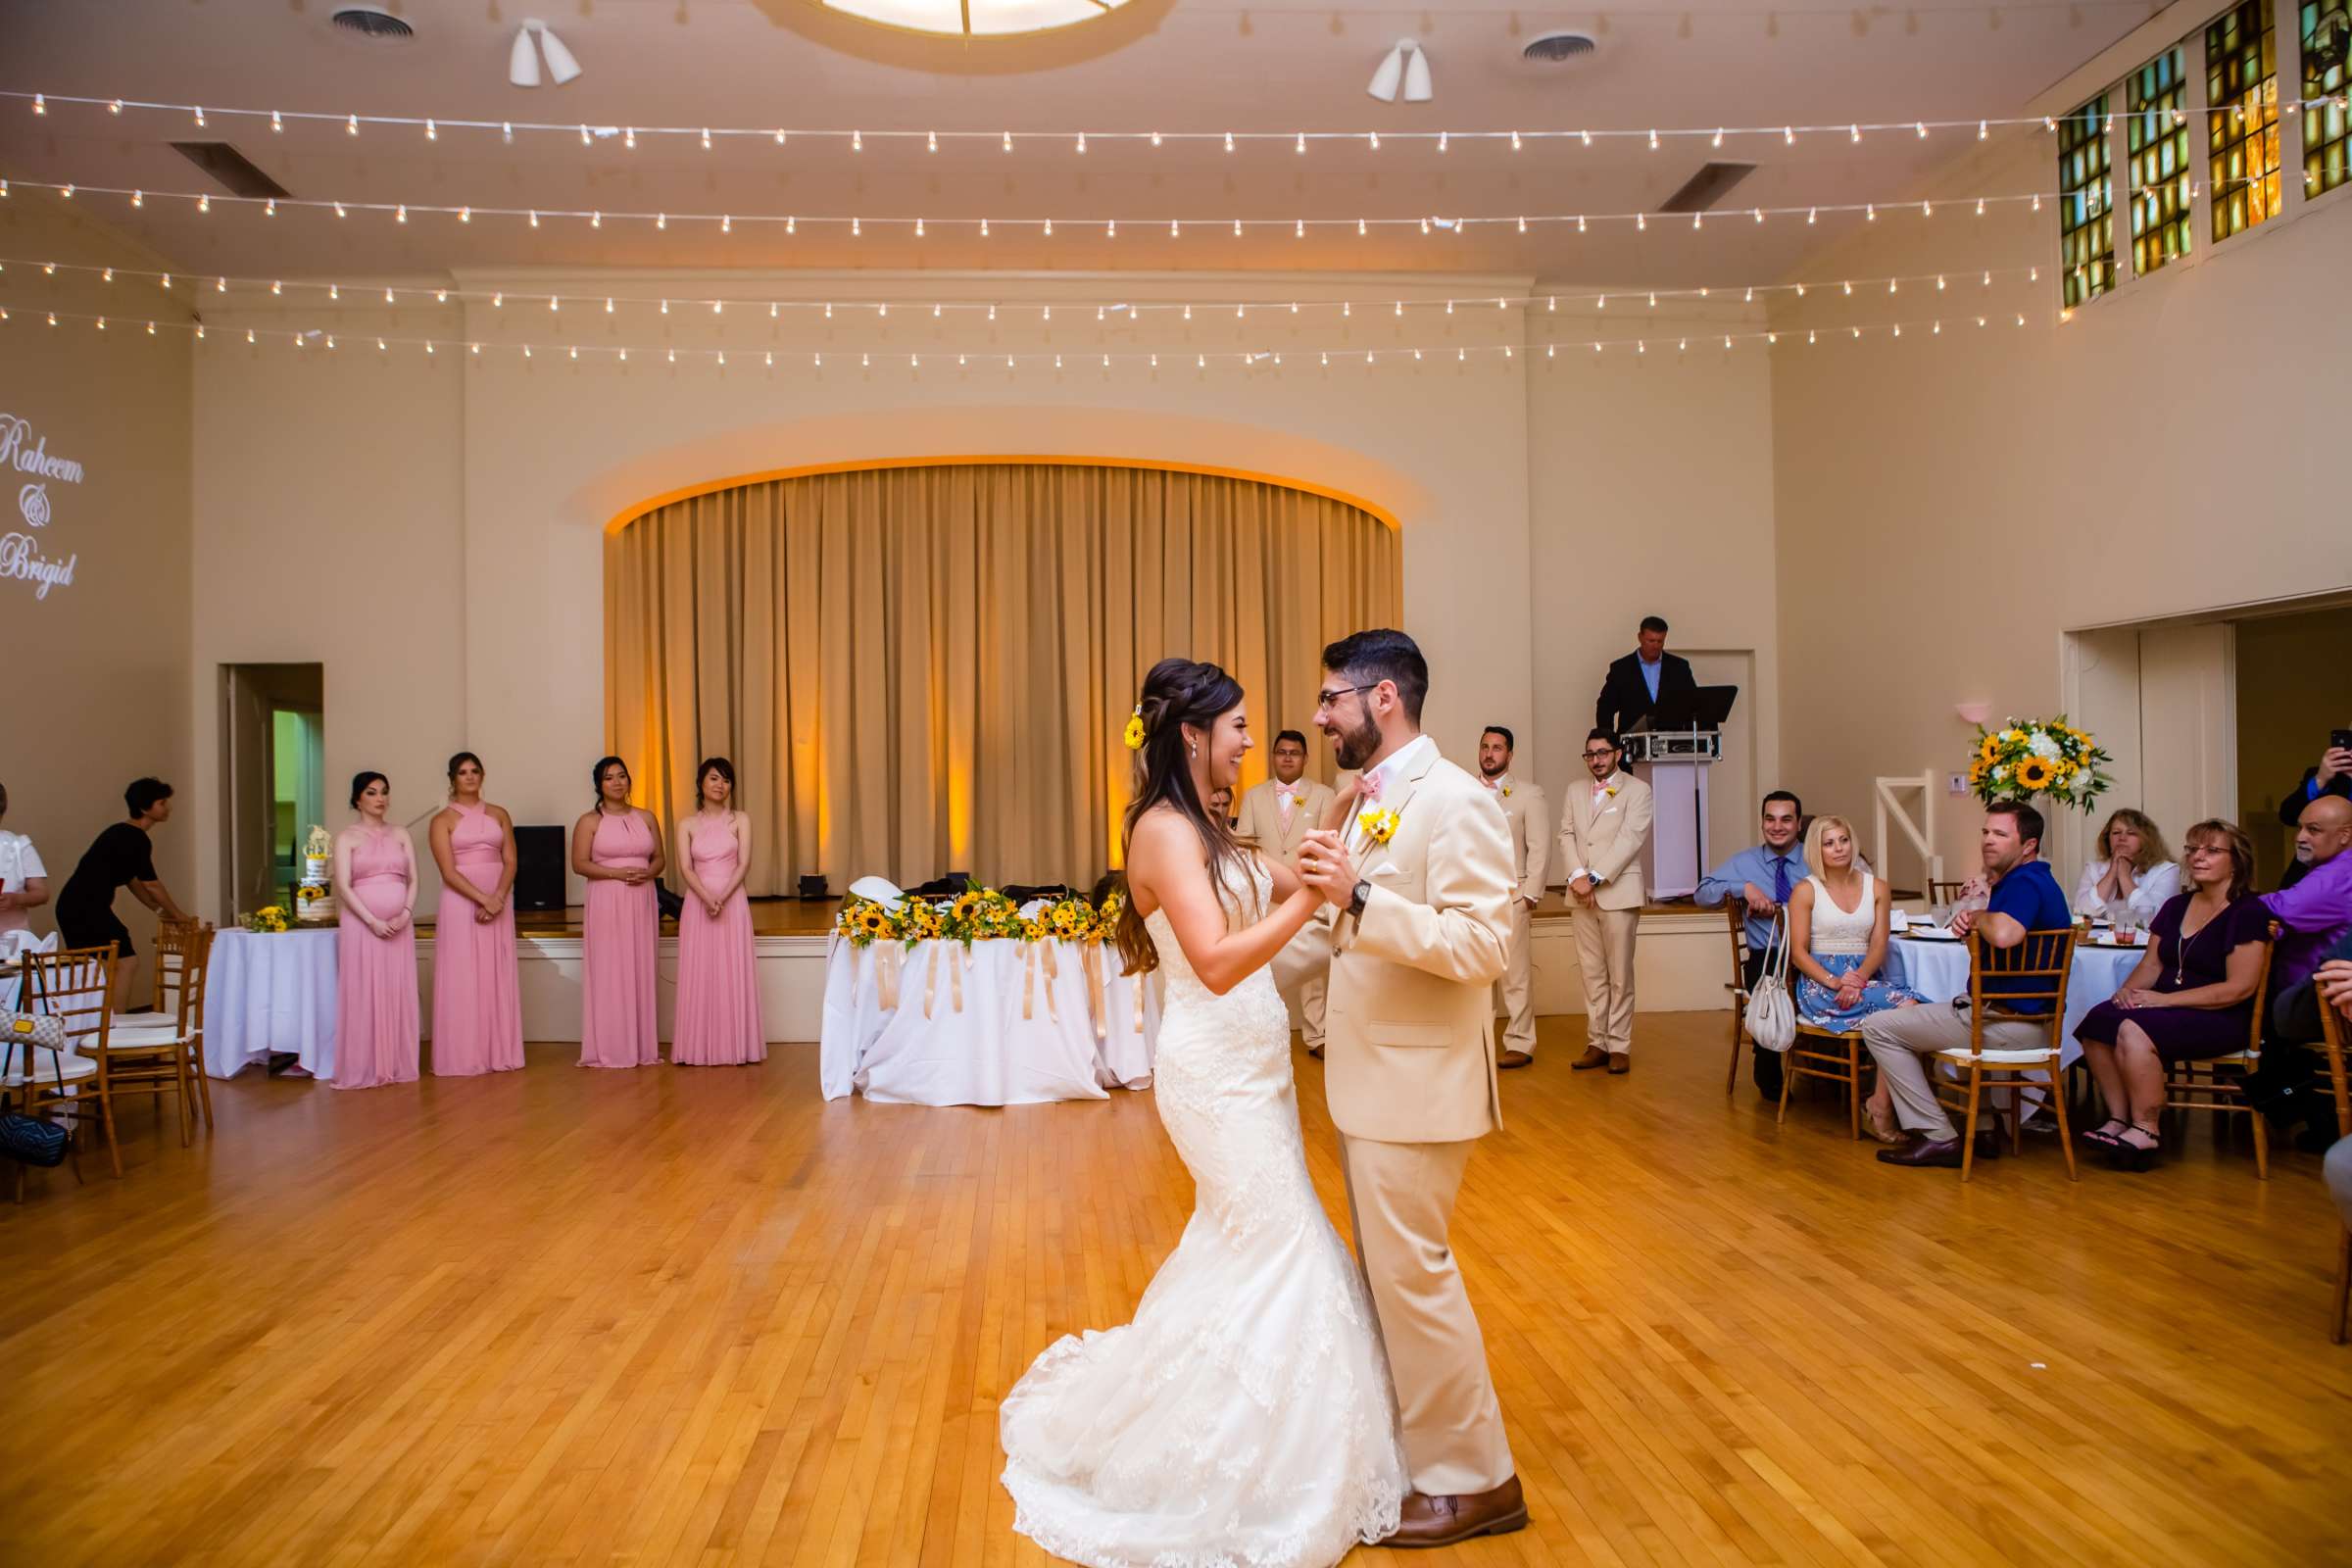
(314, 898)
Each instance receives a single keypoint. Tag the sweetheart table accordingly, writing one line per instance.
(997, 1023)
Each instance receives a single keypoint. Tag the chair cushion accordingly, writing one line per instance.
(160, 1037)
(75, 1068)
(2031, 1056)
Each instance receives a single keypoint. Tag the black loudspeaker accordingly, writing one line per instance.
(813, 887)
(539, 865)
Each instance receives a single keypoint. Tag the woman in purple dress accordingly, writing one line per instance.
(2191, 999)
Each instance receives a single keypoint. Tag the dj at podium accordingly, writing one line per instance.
(1639, 681)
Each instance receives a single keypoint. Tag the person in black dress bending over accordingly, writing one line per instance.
(122, 857)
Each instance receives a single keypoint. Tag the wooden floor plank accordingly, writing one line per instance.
(709, 1318)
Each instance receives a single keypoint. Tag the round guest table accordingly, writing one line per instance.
(1937, 967)
(1000, 1023)
(269, 993)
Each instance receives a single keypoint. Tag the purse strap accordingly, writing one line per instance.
(29, 992)
(1776, 952)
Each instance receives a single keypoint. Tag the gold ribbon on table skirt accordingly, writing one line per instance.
(1096, 1008)
(958, 957)
(1137, 984)
(930, 978)
(1028, 978)
(1053, 973)
(889, 959)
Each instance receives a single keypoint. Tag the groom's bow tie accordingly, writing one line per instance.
(1367, 788)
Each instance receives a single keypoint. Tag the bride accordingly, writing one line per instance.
(1245, 1415)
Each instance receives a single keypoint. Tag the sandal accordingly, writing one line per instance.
(2106, 1135)
(2137, 1158)
(1889, 1132)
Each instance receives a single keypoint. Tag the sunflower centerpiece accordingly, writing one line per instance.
(2025, 757)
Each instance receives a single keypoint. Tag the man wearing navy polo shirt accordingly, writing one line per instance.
(2025, 898)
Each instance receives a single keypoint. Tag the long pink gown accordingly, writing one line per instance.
(477, 1003)
(719, 989)
(616, 954)
(375, 977)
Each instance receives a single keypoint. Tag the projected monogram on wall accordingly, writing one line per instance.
(22, 559)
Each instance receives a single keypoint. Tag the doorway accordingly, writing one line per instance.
(273, 785)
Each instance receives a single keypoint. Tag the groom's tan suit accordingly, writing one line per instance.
(1409, 1074)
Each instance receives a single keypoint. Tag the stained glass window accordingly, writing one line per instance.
(2085, 205)
(2157, 137)
(2326, 123)
(2241, 89)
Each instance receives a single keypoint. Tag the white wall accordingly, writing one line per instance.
(95, 669)
(1947, 505)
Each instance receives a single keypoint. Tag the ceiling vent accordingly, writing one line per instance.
(233, 168)
(373, 23)
(1711, 185)
(1554, 48)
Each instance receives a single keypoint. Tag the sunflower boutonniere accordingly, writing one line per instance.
(1610, 793)
(1379, 824)
(1505, 792)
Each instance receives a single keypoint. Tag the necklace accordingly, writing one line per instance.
(2180, 953)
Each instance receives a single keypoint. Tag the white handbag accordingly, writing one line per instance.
(1771, 1011)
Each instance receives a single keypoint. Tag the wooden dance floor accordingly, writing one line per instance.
(704, 1318)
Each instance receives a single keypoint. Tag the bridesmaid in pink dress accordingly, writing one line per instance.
(618, 848)
(375, 947)
(477, 1005)
(718, 988)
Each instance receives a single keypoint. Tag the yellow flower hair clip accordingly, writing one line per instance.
(1135, 729)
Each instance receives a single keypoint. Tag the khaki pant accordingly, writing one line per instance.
(1901, 1039)
(1517, 987)
(1400, 1203)
(1605, 947)
(1311, 995)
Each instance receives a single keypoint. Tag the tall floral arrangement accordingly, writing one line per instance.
(2038, 756)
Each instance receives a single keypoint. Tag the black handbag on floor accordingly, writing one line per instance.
(30, 1140)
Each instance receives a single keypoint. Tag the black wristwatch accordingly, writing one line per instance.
(1355, 906)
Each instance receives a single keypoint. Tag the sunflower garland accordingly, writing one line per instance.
(2038, 756)
(976, 914)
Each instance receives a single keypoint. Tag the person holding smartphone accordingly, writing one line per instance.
(2330, 775)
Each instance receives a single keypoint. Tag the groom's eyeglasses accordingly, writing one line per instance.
(1324, 700)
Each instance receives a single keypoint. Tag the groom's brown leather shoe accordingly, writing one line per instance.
(1427, 1521)
(1514, 1058)
(1593, 1057)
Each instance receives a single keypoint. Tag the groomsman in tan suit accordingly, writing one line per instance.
(1275, 816)
(1602, 835)
(1530, 823)
(1419, 879)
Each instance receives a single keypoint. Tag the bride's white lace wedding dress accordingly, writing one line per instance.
(1245, 1415)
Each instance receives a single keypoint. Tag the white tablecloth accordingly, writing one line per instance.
(893, 1030)
(1938, 971)
(268, 993)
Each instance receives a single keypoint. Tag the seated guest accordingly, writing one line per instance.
(24, 883)
(1636, 683)
(2025, 897)
(120, 857)
(1762, 876)
(2133, 870)
(2295, 1016)
(2190, 998)
(2318, 908)
(1837, 919)
(2330, 775)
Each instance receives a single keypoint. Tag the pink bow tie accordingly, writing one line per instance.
(1367, 788)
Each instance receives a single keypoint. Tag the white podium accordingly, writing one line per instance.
(1674, 766)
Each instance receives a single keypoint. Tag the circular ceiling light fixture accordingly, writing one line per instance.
(974, 19)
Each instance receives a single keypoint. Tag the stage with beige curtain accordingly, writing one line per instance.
(925, 669)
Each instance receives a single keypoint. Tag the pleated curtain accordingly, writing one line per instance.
(928, 668)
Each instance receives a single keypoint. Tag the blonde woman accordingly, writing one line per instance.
(2133, 871)
(1838, 945)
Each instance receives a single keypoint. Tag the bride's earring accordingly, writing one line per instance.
(1192, 751)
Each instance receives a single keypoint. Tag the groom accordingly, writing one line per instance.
(1420, 875)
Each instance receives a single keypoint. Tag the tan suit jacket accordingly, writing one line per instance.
(1528, 819)
(1409, 1026)
(1262, 818)
(1606, 840)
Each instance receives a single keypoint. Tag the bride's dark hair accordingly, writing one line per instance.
(1178, 691)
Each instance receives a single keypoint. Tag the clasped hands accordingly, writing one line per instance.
(1325, 865)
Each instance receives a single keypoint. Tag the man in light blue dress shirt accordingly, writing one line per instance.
(1761, 877)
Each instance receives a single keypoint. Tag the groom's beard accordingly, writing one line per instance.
(1357, 745)
(1484, 772)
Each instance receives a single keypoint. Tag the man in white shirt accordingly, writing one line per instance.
(1275, 816)
(1523, 809)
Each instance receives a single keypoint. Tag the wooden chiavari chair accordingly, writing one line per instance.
(1738, 914)
(1832, 1058)
(156, 1055)
(2037, 970)
(76, 985)
(2219, 1084)
(173, 939)
(2339, 1078)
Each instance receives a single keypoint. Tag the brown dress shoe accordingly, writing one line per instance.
(1621, 1063)
(1514, 1058)
(1593, 1057)
(1315, 1052)
(1427, 1521)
